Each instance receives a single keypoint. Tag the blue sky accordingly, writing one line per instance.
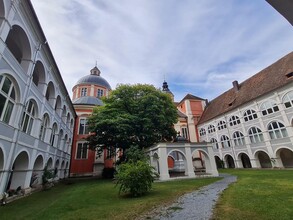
(199, 46)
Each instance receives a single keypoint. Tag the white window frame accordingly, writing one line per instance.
(288, 99)
(83, 154)
(269, 107)
(277, 130)
(202, 132)
(225, 141)
(234, 120)
(85, 127)
(211, 129)
(9, 99)
(215, 143)
(28, 117)
(221, 125)
(44, 127)
(255, 135)
(249, 115)
(83, 92)
(238, 138)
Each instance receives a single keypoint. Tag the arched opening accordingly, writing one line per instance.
(58, 105)
(264, 159)
(198, 162)
(64, 114)
(56, 169)
(50, 93)
(66, 170)
(286, 157)
(1, 163)
(39, 78)
(177, 165)
(50, 164)
(229, 161)
(68, 119)
(62, 170)
(219, 162)
(71, 124)
(19, 45)
(59, 139)
(19, 172)
(245, 160)
(65, 143)
(155, 163)
(36, 178)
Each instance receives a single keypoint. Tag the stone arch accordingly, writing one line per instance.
(245, 160)
(57, 168)
(62, 169)
(18, 43)
(37, 171)
(263, 159)
(68, 119)
(50, 93)
(49, 164)
(229, 161)
(58, 105)
(71, 124)
(179, 168)
(39, 76)
(201, 161)
(219, 162)
(286, 157)
(19, 171)
(65, 143)
(64, 113)
(60, 136)
(66, 169)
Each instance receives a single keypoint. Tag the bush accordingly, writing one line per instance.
(108, 173)
(135, 178)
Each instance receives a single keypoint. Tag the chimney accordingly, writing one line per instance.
(235, 85)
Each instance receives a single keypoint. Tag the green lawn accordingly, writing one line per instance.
(95, 199)
(258, 194)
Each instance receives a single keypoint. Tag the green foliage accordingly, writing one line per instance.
(134, 154)
(47, 174)
(133, 115)
(135, 178)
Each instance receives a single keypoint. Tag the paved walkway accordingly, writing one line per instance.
(197, 205)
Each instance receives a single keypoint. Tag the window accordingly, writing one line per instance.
(7, 98)
(211, 129)
(83, 92)
(184, 132)
(83, 126)
(28, 118)
(277, 130)
(59, 139)
(255, 135)
(202, 132)
(215, 143)
(225, 142)
(234, 120)
(288, 99)
(269, 107)
(250, 115)
(100, 93)
(81, 151)
(53, 134)
(44, 127)
(222, 125)
(238, 138)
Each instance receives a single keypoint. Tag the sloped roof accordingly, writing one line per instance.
(181, 114)
(87, 100)
(192, 97)
(267, 80)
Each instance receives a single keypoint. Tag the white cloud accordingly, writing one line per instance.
(197, 45)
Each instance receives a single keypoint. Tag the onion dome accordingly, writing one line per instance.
(94, 79)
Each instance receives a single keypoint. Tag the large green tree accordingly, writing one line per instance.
(133, 115)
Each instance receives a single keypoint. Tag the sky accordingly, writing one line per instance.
(198, 46)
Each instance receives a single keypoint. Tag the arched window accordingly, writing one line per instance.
(222, 125)
(50, 93)
(288, 99)
(7, 98)
(83, 92)
(65, 142)
(202, 132)
(277, 130)
(255, 135)
(28, 117)
(238, 138)
(234, 120)
(211, 129)
(59, 139)
(215, 143)
(249, 115)
(44, 127)
(64, 114)
(269, 107)
(225, 141)
(53, 134)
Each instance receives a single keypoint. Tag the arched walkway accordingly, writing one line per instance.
(245, 160)
(229, 161)
(264, 159)
(219, 162)
(37, 171)
(19, 171)
(201, 162)
(286, 157)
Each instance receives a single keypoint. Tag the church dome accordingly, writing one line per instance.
(87, 100)
(94, 79)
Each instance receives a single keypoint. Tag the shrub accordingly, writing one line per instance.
(135, 178)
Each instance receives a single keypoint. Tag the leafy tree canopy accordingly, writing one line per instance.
(138, 115)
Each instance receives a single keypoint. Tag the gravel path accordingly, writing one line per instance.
(196, 205)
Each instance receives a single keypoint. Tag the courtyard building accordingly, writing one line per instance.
(87, 94)
(36, 113)
(250, 125)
